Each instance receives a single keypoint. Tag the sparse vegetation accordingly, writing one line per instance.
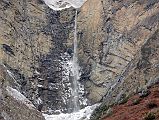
(151, 105)
(109, 112)
(137, 101)
(124, 100)
(100, 111)
(150, 116)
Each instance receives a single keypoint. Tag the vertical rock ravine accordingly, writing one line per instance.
(74, 99)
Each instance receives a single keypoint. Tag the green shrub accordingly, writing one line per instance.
(135, 102)
(150, 116)
(151, 105)
(100, 111)
(124, 100)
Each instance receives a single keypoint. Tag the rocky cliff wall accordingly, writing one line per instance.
(111, 34)
(35, 41)
(13, 105)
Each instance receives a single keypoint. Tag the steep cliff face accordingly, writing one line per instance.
(111, 34)
(143, 70)
(141, 76)
(13, 105)
(36, 43)
(33, 41)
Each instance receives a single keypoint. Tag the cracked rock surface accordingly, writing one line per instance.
(111, 39)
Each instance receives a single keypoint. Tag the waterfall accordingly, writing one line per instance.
(73, 91)
(75, 70)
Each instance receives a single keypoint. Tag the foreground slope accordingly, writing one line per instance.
(138, 107)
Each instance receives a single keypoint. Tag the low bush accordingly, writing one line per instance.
(151, 105)
(135, 102)
(150, 116)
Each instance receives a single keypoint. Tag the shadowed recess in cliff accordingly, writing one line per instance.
(51, 70)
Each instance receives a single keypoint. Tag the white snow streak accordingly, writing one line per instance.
(63, 4)
(18, 96)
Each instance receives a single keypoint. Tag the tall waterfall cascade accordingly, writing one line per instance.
(73, 96)
(75, 70)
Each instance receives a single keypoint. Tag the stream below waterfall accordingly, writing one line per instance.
(83, 114)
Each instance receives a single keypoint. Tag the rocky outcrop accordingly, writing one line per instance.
(12, 108)
(111, 35)
(140, 80)
(33, 40)
(143, 70)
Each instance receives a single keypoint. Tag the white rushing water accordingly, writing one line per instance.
(75, 70)
(63, 4)
(83, 114)
(74, 91)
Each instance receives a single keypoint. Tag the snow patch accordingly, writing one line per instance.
(63, 4)
(38, 101)
(18, 96)
(83, 114)
(40, 86)
(5, 116)
(11, 74)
